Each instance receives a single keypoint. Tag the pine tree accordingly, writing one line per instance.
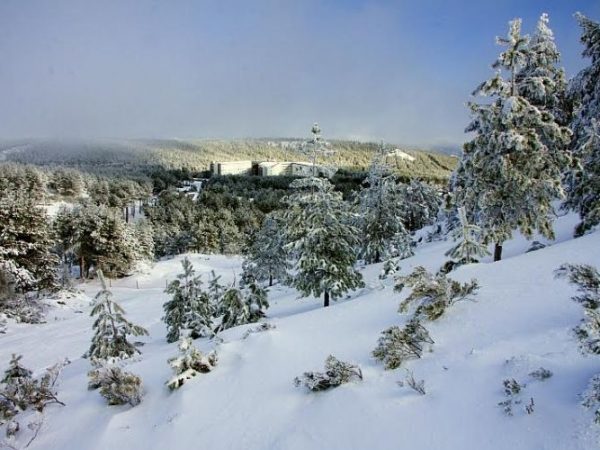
(234, 310)
(267, 259)
(255, 297)
(111, 328)
(584, 90)
(541, 81)
(27, 261)
(320, 237)
(189, 307)
(508, 175)
(316, 146)
(382, 211)
(468, 248)
(421, 204)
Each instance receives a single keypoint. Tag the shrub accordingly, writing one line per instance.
(19, 390)
(397, 345)
(433, 293)
(190, 363)
(116, 386)
(336, 373)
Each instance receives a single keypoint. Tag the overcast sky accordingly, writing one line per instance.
(395, 70)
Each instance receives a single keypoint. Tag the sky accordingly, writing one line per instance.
(399, 71)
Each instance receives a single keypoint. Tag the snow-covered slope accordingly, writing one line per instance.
(521, 320)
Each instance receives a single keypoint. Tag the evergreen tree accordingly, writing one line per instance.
(382, 211)
(234, 310)
(189, 307)
(320, 237)
(26, 258)
(255, 297)
(421, 205)
(468, 248)
(144, 241)
(508, 175)
(111, 328)
(267, 259)
(584, 90)
(541, 81)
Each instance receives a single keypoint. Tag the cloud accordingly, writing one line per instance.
(376, 70)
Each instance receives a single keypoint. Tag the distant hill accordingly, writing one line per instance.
(102, 156)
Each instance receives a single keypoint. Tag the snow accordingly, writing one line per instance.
(520, 320)
(403, 155)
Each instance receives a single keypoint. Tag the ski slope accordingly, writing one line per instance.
(520, 320)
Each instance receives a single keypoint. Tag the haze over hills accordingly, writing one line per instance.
(196, 155)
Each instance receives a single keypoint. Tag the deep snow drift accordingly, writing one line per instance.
(520, 320)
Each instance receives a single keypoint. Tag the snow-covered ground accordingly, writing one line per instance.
(521, 320)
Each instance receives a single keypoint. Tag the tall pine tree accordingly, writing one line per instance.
(584, 90)
(267, 259)
(381, 212)
(509, 175)
(321, 239)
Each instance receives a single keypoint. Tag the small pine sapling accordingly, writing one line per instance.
(433, 293)
(189, 308)
(189, 363)
(116, 386)
(469, 248)
(255, 297)
(233, 309)
(111, 328)
(397, 345)
(336, 373)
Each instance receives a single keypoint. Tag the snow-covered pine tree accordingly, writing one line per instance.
(215, 289)
(255, 297)
(316, 146)
(508, 175)
(322, 240)
(267, 259)
(585, 191)
(26, 258)
(233, 309)
(382, 211)
(111, 328)
(583, 183)
(468, 248)
(421, 204)
(189, 308)
(144, 241)
(541, 81)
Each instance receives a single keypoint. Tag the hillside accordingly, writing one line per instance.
(196, 155)
(520, 320)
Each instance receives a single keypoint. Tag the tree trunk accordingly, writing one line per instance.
(127, 214)
(326, 299)
(498, 252)
(81, 267)
(270, 280)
